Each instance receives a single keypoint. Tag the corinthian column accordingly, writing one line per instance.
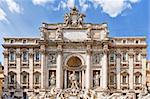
(88, 68)
(105, 68)
(131, 76)
(118, 69)
(59, 73)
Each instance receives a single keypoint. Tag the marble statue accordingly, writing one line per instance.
(67, 19)
(73, 80)
(59, 33)
(53, 79)
(88, 32)
(96, 79)
(80, 19)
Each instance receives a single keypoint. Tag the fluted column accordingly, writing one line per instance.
(105, 68)
(88, 67)
(43, 66)
(118, 67)
(59, 73)
(144, 69)
(18, 66)
(5, 53)
(31, 58)
(131, 70)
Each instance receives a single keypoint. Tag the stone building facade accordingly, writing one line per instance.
(74, 59)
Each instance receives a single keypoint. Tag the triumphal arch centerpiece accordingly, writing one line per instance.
(75, 60)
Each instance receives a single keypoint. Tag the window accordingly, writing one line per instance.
(37, 78)
(124, 56)
(112, 79)
(24, 79)
(11, 56)
(12, 76)
(138, 78)
(37, 56)
(136, 41)
(124, 78)
(24, 41)
(25, 56)
(12, 79)
(112, 57)
(124, 41)
(137, 57)
(11, 41)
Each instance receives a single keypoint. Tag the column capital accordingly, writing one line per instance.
(5, 53)
(131, 54)
(31, 54)
(18, 54)
(143, 54)
(43, 51)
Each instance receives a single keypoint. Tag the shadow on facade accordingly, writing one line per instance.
(14, 90)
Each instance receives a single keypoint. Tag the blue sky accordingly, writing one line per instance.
(124, 17)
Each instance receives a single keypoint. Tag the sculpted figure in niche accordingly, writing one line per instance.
(59, 33)
(96, 79)
(73, 80)
(53, 79)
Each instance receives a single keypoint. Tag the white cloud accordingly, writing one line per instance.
(62, 5)
(70, 3)
(111, 7)
(42, 2)
(13, 6)
(84, 6)
(114, 7)
(3, 15)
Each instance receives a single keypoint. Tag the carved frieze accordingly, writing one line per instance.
(52, 58)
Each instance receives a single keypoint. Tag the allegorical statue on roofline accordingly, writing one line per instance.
(74, 18)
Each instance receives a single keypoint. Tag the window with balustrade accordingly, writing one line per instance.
(37, 56)
(25, 56)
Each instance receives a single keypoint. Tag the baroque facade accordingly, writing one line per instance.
(75, 60)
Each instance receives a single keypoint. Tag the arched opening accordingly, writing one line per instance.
(74, 72)
(74, 61)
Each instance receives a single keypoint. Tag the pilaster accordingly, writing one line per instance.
(131, 70)
(143, 55)
(118, 67)
(31, 58)
(18, 67)
(43, 66)
(6, 55)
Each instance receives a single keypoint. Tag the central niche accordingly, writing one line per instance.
(74, 61)
(74, 73)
